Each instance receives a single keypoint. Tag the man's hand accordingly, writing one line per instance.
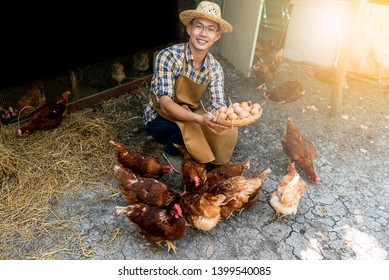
(177, 112)
(210, 121)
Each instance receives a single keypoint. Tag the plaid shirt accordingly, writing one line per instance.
(168, 67)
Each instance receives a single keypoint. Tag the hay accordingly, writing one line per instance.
(36, 172)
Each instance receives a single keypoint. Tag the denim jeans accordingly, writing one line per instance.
(165, 132)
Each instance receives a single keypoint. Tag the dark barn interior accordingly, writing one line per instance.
(74, 48)
(52, 42)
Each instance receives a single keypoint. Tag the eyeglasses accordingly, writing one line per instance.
(198, 28)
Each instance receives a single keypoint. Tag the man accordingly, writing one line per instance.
(183, 74)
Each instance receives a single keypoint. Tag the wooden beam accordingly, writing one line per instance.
(344, 55)
(107, 94)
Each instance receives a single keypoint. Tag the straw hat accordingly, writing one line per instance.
(208, 10)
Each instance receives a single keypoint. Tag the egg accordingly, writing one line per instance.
(244, 104)
(248, 108)
(256, 105)
(244, 114)
(236, 104)
(238, 109)
(229, 110)
(222, 115)
(222, 109)
(232, 116)
(254, 111)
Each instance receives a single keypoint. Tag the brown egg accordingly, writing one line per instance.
(248, 108)
(244, 114)
(222, 115)
(222, 109)
(232, 116)
(244, 104)
(238, 109)
(236, 104)
(254, 111)
(229, 110)
(256, 105)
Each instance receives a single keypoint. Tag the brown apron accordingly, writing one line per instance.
(203, 143)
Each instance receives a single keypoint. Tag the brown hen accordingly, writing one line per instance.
(48, 116)
(31, 101)
(300, 149)
(286, 197)
(263, 47)
(193, 173)
(225, 171)
(156, 224)
(202, 210)
(253, 198)
(288, 91)
(266, 71)
(137, 189)
(326, 75)
(118, 75)
(142, 164)
(238, 190)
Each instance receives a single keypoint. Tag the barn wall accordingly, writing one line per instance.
(315, 37)
(370, 53)
(315, 31)
(239, 45)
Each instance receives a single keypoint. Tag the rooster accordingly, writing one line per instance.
(288, 91)
(286, 197)
(48, 116)
(266, 71)
(201, 209)
(300, 149)
(193, 173)
(239, 191)
(142, 164)
(156, 224)
(225, 171)
(137, 189)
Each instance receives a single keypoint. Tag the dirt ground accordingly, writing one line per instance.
(345, 216)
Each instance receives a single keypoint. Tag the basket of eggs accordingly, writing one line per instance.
(238, 114)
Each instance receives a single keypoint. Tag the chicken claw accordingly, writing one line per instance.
(170, 245)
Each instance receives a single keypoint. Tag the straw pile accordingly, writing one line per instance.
(38, 170)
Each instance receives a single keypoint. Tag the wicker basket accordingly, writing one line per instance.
(240, 122)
